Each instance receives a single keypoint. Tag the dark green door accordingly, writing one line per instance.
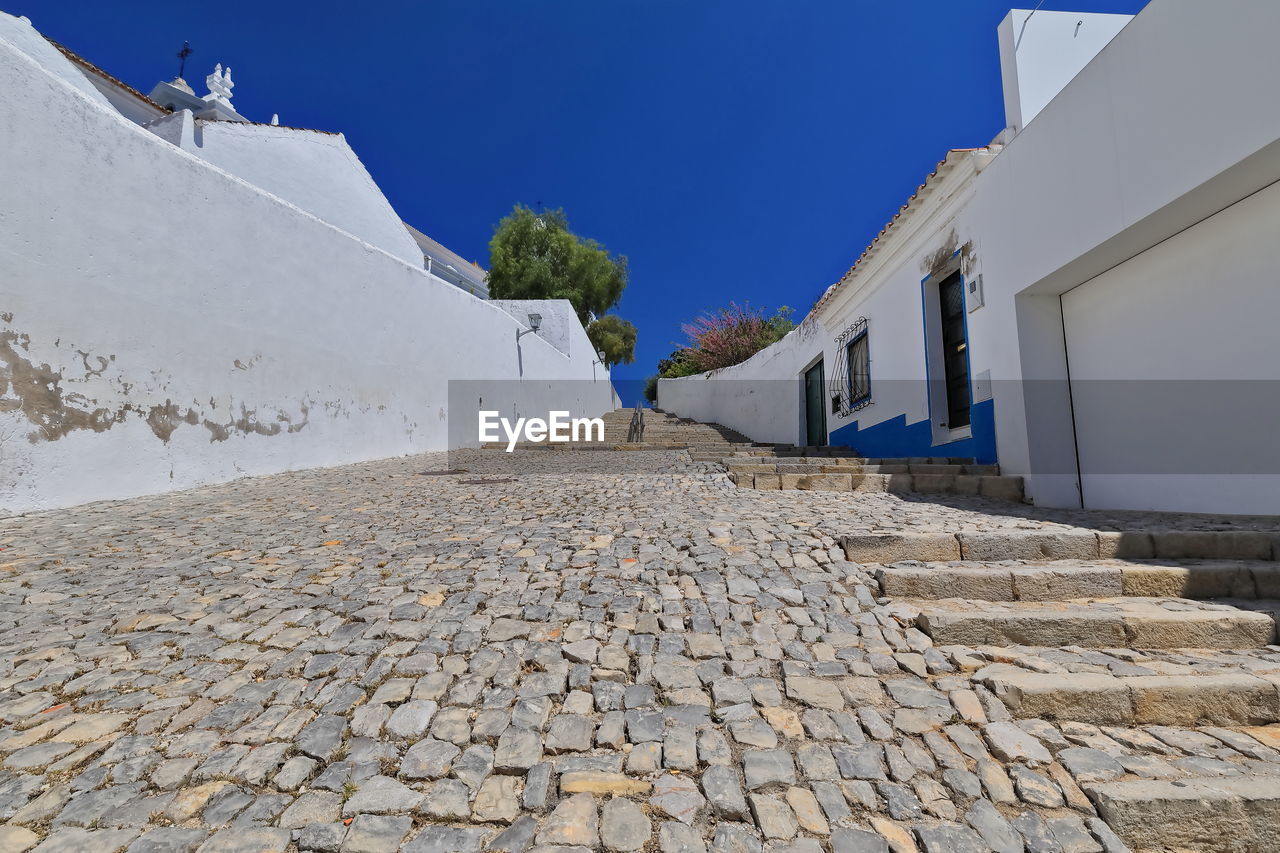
(815, 407)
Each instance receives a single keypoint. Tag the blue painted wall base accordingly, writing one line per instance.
(896, 438)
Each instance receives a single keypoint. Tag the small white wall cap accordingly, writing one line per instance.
(1042, 51)
(220, 85)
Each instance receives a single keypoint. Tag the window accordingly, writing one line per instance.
(852, 388)
(859, 355)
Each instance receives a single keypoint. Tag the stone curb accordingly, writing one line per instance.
(1067, 545)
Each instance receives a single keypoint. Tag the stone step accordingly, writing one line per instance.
(999, 487)
(787, 450)
(768, 452)
(1062, 544)
(807, 466)
(1059, 580)
(1224, 698)
(1098, 623)
(589, 446)
(1220, 814)
(842, 464)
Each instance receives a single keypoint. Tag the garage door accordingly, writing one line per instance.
(1175, 369)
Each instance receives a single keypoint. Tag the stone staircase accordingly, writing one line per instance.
(785, 466)
(756, 465)
(838, 469)
(1163, 632)
(663, 431)
(843, 469)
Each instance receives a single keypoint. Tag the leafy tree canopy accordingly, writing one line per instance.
(615, 337)
(536, 256)
(724, 337)
(651, 389)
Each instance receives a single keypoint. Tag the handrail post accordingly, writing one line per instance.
(635, 433)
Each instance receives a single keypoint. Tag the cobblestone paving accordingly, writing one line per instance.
(369, 658)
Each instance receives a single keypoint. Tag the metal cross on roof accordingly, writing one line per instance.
(182, 55)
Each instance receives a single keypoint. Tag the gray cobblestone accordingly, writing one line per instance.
(258, 661)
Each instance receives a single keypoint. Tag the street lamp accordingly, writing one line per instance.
(535, 323)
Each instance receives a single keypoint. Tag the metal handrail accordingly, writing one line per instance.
(635, 433)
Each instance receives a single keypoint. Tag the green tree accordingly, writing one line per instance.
(725, 337)
(681, 362)
(614, 337)
(536, 256)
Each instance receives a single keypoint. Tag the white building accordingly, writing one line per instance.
(187, 297)
(446, 264)
(1090, 300)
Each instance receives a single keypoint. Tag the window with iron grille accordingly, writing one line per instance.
(851, 390)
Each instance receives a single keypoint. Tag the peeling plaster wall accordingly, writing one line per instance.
(164, 324)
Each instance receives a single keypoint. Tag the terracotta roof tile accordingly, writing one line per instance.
(833, 289)
(119, 84)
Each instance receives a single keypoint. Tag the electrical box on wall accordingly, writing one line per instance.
(973, 299)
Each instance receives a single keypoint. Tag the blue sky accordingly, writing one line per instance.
(732, 149)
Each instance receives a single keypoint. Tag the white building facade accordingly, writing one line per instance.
(1087, 301)
(187, 297)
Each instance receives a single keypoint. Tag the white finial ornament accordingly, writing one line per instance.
(219, 83)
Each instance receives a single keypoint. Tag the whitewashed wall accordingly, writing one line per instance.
(761, 398)
(935, 237)
(316, 171)
(1041, 51)
(559, 324)
(1115, 180)
(164, 324)
(1192, 413)
(1146, 141)
(764, 398)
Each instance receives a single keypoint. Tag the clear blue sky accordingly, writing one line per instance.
(732, 149)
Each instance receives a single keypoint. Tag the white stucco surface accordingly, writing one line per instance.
(761, 398)
(316, 171)
(1104, 204)
(22, 35)
(1143, 143)
(165, 324)
(1173, 368)
(559, 325)
(1042, 50)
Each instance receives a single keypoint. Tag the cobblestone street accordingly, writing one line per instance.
(373, 658)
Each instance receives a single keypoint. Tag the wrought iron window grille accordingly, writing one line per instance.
(850, 388)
